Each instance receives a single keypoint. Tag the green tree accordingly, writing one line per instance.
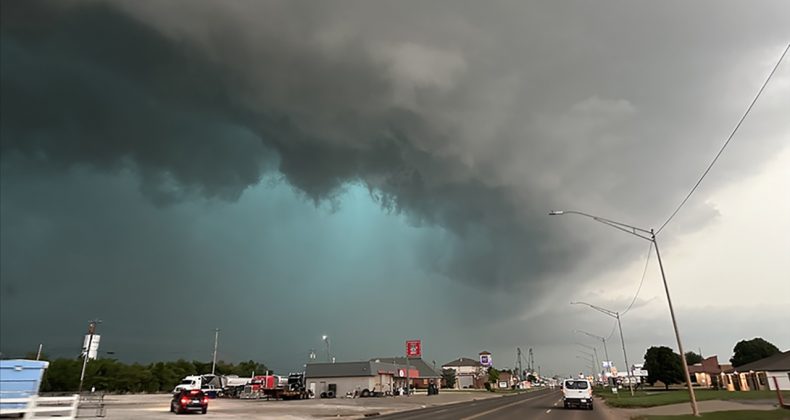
(663, 365)
(493, 375)
(693, 358)
(448, 375)
(747, 351)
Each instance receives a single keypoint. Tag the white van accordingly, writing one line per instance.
(577, 393)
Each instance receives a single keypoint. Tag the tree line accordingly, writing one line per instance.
(110, 375)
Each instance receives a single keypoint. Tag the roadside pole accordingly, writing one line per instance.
(214, 358)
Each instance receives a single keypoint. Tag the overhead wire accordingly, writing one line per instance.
(642, 281)
(732, 134)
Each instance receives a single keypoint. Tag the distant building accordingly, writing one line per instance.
(469, 373)
(710, 373)
(347, 378)
(762, 374)
(421, 374)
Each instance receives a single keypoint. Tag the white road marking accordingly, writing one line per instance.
(485, 413)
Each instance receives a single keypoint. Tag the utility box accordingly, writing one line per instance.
(20, 378)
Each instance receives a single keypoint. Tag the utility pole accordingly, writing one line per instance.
(214, 358)
(531, 362)
(520, 368)
(91, 331)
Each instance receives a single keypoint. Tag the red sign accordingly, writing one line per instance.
(413, 348)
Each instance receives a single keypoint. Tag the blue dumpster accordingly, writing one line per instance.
(20, 378)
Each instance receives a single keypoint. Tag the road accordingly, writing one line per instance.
(543, 405)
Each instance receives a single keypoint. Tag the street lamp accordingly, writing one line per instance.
(589, 360)
(595, 357)
(326, 342)
(615, 315)
(648, 235)
(603, 340)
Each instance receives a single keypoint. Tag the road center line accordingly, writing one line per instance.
(485, 413)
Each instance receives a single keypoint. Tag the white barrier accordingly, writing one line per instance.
(33, 405)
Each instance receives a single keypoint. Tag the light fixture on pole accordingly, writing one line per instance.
(603, 340)
(615, 315)
(328, 352)
(595, 357)
(648, 235)
(584, 358)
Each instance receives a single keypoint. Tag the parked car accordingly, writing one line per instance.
(187, 400)
(577, 393)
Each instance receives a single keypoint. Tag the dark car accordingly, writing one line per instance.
(187, 400)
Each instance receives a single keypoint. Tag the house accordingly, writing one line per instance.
(710, 373)
(469, 373)
(421, 374)
(347, 378)
(762, 374)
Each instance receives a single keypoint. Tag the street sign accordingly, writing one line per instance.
(93, 352)
(413, 348)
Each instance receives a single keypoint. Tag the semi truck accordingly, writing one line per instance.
(291, 387)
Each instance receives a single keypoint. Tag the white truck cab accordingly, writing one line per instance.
(577, 393)
(189, 382)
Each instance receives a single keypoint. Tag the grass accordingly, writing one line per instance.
(655, 398)
(780, 414)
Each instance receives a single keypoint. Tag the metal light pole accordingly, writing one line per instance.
(615, 315)
(603, 340)
(584, 358)
(326, 343)
(649, 235)
(595, 355)
(214, 357)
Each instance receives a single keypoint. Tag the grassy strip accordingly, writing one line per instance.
(780, 414)
(656, 398)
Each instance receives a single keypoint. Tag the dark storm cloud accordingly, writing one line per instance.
(88, 84)
(465, 118)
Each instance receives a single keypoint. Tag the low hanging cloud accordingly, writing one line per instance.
(453, 128)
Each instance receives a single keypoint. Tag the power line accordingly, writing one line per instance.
(737, 126)
(641, 282)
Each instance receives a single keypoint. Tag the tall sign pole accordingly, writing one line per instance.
(413, 349)
(91, 333)
(214, 358)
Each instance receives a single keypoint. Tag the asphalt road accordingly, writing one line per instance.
(543, 405)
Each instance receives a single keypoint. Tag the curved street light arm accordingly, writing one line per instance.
(611, 313)
(633, 230)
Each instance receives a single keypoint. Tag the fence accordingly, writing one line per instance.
(33, 405)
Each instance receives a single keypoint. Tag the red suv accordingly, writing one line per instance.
(187, 400)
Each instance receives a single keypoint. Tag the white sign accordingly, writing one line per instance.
(640, 372)
(94, 343)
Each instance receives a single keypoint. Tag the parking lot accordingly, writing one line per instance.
(123, 407)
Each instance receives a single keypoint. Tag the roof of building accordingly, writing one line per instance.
(463, 361)
(777, 362)
(425, 370)
(710, 366)
(346, 369)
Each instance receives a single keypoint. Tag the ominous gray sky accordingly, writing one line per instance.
(382, 171)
